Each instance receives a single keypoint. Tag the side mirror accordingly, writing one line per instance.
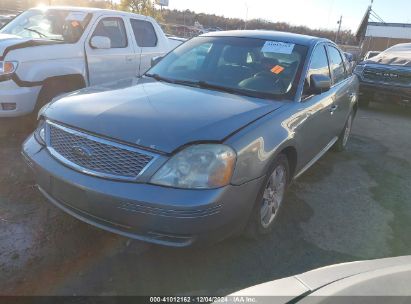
(319, 83)
(100, 42)
(155, 60)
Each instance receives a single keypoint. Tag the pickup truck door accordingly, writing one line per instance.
(147, 39)
(120, 60)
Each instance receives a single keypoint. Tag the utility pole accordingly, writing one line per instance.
(339, 30)
(246, 16)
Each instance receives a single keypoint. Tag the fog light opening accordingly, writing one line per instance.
(8, 106)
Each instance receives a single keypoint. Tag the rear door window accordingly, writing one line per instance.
(144, 33)
(337, 65)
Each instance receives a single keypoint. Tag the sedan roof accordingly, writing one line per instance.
(269, 35)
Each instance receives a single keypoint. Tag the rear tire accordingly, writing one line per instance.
(270, 199)
(342, 141)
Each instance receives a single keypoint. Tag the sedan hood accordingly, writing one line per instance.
(157, 115)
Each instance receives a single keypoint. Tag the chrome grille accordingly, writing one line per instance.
(94, 155)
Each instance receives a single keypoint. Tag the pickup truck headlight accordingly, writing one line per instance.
(203, 166)
(40, 132)
(8, 67)
(359, 69)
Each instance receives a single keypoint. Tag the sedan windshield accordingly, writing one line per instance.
(244, 66)
(61, 25)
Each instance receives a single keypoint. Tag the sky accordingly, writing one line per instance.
(315, 14)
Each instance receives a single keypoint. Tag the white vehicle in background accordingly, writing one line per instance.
(45, 52)
(371, 54)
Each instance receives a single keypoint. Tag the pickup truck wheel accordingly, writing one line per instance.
(54, 88)
(342, 141)
(269, 202)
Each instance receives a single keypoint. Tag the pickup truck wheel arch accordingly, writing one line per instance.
(55, 86)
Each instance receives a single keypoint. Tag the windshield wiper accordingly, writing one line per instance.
(207, 85)
(203, 85)
(36, 31)
(159, 78)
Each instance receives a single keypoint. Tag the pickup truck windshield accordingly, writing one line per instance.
(52, 24)
(244, 66)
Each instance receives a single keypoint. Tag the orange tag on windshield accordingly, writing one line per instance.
(277, 69)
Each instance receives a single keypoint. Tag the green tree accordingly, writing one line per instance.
(143, 7)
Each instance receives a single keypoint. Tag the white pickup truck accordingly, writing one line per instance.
(45, 52)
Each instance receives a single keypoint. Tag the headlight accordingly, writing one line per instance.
(203, 166)
(8, 67)
(42, 110)
(359, 69)
(40, 132)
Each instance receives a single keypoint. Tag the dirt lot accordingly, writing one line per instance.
(350, 206)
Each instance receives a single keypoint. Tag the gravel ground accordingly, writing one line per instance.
(349, 206)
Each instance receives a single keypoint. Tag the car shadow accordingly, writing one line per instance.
(66, 256)
(16, 127)
(219, 269)
(393, 109)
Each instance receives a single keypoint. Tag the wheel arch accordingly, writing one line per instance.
(74, 79)
(68, 83)
(291, 153)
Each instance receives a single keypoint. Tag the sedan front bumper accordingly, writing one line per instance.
(162, 215)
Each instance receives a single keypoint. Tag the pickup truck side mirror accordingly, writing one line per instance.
(155, 60)
(100, 42)
(319, 83)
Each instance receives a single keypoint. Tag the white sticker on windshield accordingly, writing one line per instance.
(76, 16)
(278, 47)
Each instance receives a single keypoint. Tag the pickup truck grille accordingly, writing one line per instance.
(95, 156)
(387, 76)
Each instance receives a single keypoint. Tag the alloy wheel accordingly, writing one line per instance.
(273, 195)
(347, 130)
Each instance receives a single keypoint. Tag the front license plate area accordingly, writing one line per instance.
(69, 194)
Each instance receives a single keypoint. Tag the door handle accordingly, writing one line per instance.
(333, 109)
(129, 58)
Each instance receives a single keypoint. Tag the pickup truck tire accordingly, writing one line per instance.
(55, 87)
(257, 225)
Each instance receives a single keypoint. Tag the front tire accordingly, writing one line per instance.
(269, 202)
